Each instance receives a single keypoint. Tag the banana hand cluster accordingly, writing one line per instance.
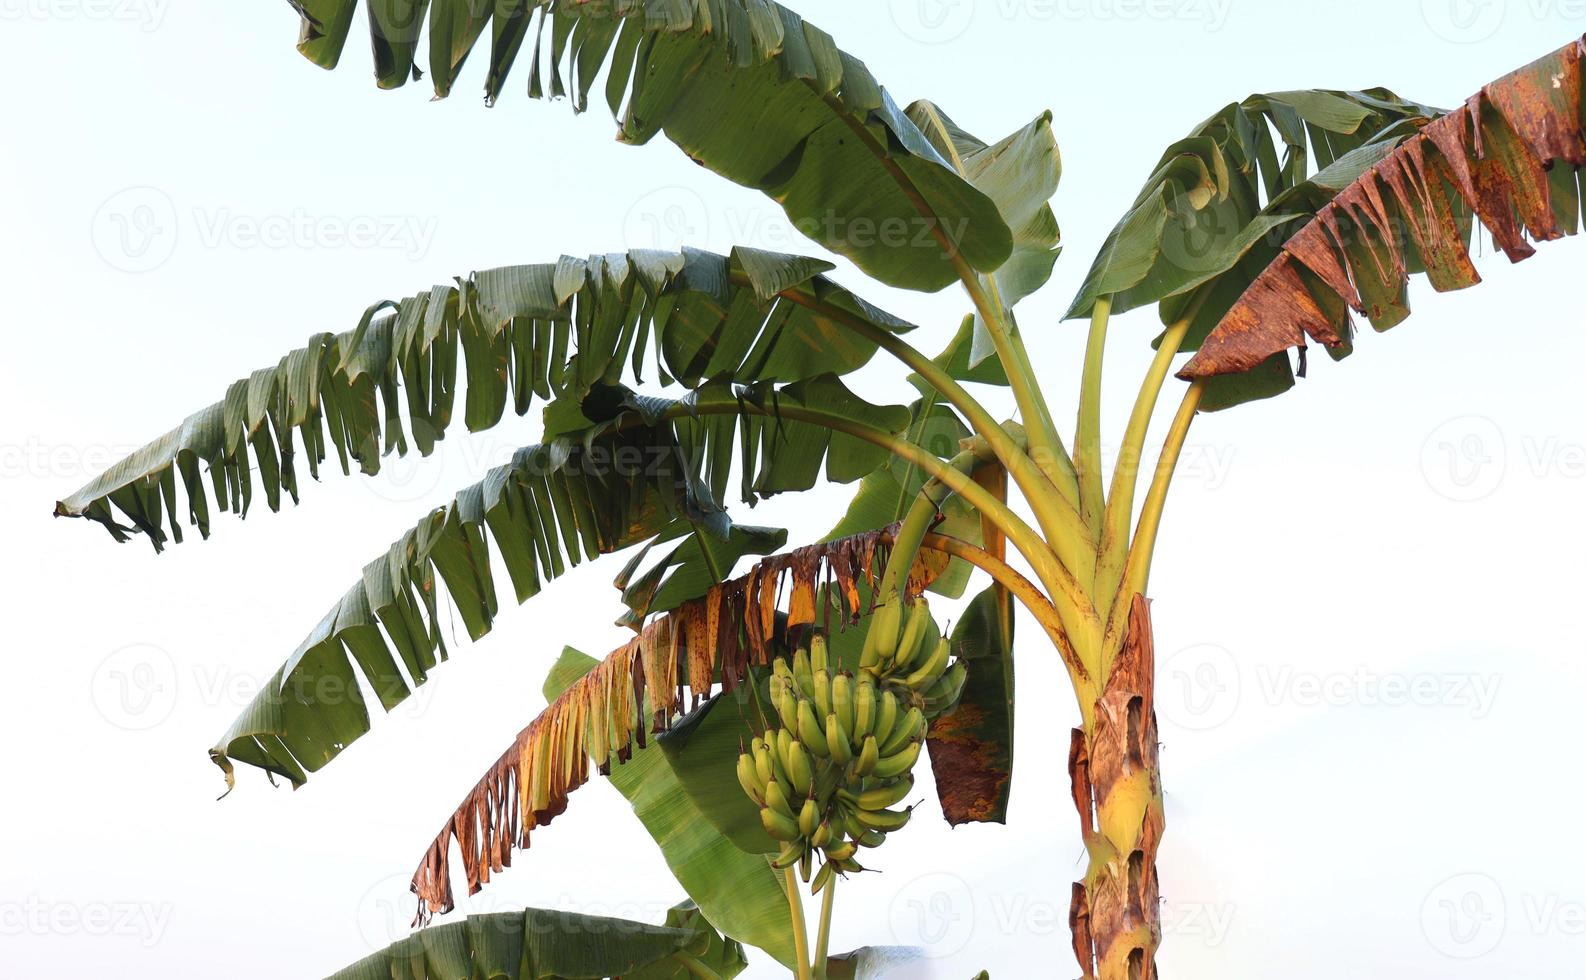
(827, 780)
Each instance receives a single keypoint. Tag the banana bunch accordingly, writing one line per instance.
(828, 778)
(909, 654)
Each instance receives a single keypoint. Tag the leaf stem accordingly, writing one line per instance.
(1137, 570)
(694, 966)
(1058, 517)
(1087, 438)
(1126, 472)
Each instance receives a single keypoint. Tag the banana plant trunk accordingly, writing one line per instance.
(1113, 764)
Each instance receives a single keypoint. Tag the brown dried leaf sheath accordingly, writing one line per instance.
(597, 718)
(1501, 156)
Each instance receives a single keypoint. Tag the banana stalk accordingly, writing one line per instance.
(1117, 786)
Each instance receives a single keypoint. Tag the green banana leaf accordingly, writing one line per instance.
(1020, 173)
(552, 504)
(537, 944)
(746, 88)
(1511, 156)
(1202, 208)
(549, 331)
(702, 749)
(971, 748)
(737, 892)
(722, 956)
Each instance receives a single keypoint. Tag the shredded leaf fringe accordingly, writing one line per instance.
(1512, 155)
(674, 662)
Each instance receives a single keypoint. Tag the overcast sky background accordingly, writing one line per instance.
(1367, 592)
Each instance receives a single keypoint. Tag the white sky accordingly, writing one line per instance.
(1407, 521)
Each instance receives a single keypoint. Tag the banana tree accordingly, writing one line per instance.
(1259, 230)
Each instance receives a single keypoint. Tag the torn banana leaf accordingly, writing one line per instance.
(1512, 156)
(539, 944)
(549, 331)
(746, 88)
(640, 472)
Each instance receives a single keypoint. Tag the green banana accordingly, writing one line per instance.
(913, 633)
(749, 778)
(809, 817)
(762, 763)
(789, 855)
(811, 734)
(804, 865)
(944, 694)
(869, 656)
(864, 707)
(928, 672)
(783, 828)
(840, 851)
(885, 795)
(886, 716)
(819, 658)
(910, 726)
(822, 878)
(872, 838)
(822, 835)
(894, 765)
(777, 800)
(823, 692)
(843, 701)
(799, 767)
(884, 626)
(803, 675)
(787, 704)
(884, 820)
(869, 755)
(852, 828)
(850, 866)
(842, 751)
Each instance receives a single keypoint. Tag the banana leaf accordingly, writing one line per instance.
(537, 944)
(746, 88)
